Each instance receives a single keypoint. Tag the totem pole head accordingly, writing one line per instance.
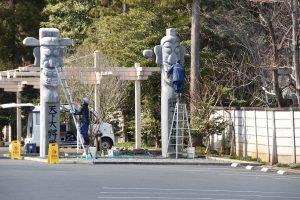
(51, 55)
(48, 44)
(48, 55)
(169, 50)
(50, 48)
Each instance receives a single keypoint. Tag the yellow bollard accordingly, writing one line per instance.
(15, 150)
(53, 153)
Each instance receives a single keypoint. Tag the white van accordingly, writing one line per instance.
(67, 130)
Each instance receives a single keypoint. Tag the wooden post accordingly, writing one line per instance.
(293, 137)
(137, 110)
(19, 120)
(97, 85)
(274, 144)
(245, 141)
(255, 124)
(267, 127)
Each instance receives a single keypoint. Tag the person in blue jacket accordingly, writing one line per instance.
(84, 119)
(178, 75)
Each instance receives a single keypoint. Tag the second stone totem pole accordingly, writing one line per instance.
(167, 53)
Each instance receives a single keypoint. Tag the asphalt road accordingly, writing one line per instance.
(22, 180)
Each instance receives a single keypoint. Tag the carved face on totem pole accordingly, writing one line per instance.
(168, 52)
(48, 55)
(51, 57)
(50, 60)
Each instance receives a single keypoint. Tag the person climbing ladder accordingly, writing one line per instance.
(84, 119)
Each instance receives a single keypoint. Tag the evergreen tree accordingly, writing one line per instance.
(124, 35)
(18, 19)
(71, 17)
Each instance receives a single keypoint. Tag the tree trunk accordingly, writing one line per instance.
(125, 8)
(232, 132)
(223, 143)
(195, 54)
(14, 32)
(276, 88)
(1, 134)
(295, 46)
(157, 136)
(207, 143)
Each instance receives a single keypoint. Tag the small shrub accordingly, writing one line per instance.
(282, 165)
(127, 145)
(247, 158)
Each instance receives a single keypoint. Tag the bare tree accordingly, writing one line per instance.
(112, 90)
(281, 47)
(295, 45)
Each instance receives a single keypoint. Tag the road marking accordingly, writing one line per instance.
(281, 172)
(273, 176)
(264, 169)
(206, 194)
(247, 173)
(238, 173)
(191, 166)
(235, 164)
(142, 197)
(249, 167)
(219, 171)
(197, 190)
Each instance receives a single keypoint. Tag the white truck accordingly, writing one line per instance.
(67, 129)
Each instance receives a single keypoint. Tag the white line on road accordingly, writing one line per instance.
(164, 198)
(215, 171)
(247, 173)
(198, 190)
(273, 176)
(206, 194)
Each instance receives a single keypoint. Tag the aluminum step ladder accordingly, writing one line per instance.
(180, 132)
(64, 83)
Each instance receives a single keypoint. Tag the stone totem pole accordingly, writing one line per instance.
(167, 53)
(48, 55)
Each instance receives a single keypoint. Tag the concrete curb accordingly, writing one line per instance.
(61, 161)
(141, 161)
(43, 160)
(161, 161)
(284, 171)
(240, 162)
(134, 161)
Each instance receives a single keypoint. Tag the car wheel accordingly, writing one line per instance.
(106, 144)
